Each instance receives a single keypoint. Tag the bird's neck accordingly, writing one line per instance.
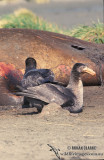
(29, 68)
(76, 85)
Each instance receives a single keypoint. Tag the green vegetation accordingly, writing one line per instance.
(94, 33)
(24, 18)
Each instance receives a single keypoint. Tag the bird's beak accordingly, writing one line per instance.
(90, 71)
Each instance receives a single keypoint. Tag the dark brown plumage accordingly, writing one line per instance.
(33, 76)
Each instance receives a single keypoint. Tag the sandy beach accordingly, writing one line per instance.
(27, 135)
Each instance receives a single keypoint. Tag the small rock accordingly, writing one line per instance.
(53, 109)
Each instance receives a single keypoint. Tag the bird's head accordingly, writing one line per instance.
(80, 68)
(30, 63)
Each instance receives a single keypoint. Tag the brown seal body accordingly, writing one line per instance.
(52, 51)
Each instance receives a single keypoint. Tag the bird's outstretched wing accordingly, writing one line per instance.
(47, 92)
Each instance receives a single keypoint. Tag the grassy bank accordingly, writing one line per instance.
(94, 33)
(26, 19)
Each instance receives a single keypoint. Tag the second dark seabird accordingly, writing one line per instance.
(34, 77)
(70, 97)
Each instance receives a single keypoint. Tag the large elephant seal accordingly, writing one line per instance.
(51, 50)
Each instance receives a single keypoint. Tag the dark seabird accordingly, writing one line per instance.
(34, 77)
(70, 97)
